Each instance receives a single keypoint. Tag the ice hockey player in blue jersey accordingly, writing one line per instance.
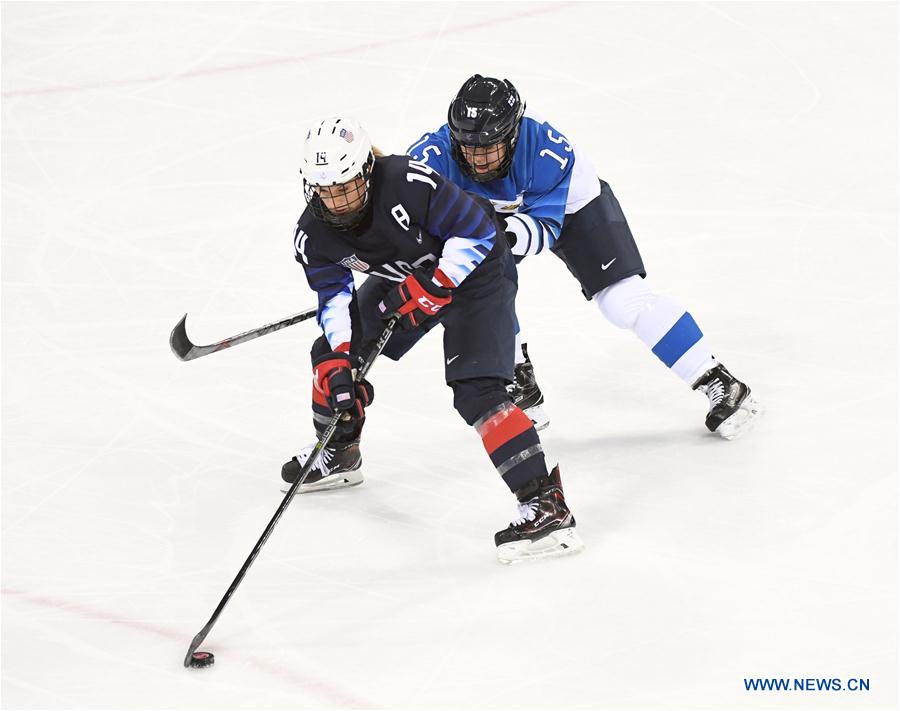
(434, 255)
(554, 201)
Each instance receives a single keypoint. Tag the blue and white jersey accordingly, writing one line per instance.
(548, 179)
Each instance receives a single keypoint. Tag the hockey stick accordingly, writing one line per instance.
(323, 440)
(185, 350)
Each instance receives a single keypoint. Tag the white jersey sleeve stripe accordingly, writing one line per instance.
(459, 257)
(531, 236)
(335, 319)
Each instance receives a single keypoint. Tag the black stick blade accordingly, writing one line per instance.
(179, 341)
(185, 350)
(195, 644)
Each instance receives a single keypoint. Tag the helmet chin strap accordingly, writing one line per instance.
(340, 220)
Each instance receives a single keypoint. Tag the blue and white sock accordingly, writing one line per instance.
(661, 323)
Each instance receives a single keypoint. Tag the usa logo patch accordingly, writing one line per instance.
(354, 262)
(346, 135)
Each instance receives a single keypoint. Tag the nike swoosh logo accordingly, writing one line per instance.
(450, 360)
(606, 266)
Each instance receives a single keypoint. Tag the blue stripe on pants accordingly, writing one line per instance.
(678, 340)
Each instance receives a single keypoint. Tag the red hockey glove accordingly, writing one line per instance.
(418, 298)
(333, 377)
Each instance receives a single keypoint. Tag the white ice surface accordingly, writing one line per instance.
(149, 167)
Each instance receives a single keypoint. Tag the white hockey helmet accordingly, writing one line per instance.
(337, 150)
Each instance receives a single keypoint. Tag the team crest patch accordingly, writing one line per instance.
(506, 206)
(354, 262)
(346, 135)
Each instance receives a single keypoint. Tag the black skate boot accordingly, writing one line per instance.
(338, 467)
(526, 394)
(545, 526)
(732, 411)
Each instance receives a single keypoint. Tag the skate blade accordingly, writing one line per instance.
(540, 418)
(344, 480)
(556, 544)
(742, 421)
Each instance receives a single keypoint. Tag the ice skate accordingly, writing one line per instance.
(526, 394)
(732, 410)
(337, 467)
(545, 526)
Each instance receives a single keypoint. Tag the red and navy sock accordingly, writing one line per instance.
(513, 444)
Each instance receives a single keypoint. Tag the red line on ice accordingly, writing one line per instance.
(324, 690)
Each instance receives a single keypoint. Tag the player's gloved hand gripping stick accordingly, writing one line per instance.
(304, 473)
(416, 299)
(333, 377)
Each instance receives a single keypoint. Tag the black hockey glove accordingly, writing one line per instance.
(333, 378)
(416, 299)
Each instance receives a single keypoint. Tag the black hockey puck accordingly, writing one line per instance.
(199, 660)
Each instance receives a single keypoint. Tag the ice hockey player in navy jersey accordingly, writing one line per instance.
(434, 256)
(554, 201)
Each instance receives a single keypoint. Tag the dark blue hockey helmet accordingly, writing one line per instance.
(485, 112)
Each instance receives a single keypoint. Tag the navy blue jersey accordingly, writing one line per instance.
(418, 220)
